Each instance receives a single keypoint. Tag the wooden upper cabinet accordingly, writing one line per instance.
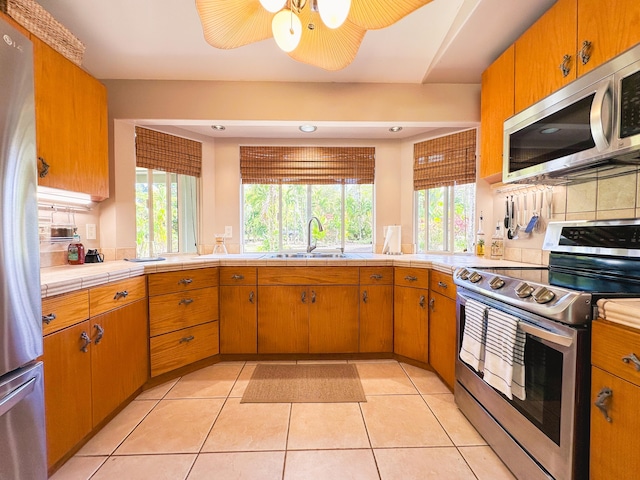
(496, 105)
(611, 27)
(540, 52)
(71, 125)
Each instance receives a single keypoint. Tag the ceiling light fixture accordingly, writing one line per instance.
(395, 129)
(307, 128)
(323, 33)
(218, 128)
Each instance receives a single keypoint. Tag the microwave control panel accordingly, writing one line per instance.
(630, 106)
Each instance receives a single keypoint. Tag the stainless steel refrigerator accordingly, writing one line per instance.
(22, 425)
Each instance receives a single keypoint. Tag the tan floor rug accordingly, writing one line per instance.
(313, 383)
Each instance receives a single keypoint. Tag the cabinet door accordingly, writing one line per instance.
(496, 105)
(333, 319)
(611, 27)
(283, 319)
(67, 390)
(410, 330)
(540, 52)
(376, 318)
(238, 319)
(120, 357)
(614, 444)
(442, 336)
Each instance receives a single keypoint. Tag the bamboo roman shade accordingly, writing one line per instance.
(445, 161)
(161, 151)
(307, 165)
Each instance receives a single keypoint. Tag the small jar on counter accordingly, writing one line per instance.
(75, 251)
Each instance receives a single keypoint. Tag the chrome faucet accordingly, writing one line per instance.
(320, 229)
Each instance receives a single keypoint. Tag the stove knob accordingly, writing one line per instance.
(475, 277)
(523, 290)
(543, 295)
(463, 274)
(496, 283)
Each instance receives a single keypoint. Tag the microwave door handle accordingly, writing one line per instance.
(600, 117)
(546, 334)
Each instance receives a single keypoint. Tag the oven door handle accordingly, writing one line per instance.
(546, 334)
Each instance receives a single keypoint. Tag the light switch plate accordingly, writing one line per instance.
(91, 231)
(228, 231)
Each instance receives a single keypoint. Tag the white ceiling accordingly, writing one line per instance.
(445, 41)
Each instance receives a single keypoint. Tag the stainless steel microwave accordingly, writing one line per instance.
(592, 122)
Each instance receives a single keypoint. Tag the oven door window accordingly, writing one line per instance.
(543, 379)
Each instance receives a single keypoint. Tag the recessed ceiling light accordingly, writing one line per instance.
(308, 128)
(395, 129)
(219, 128)
(549, 130)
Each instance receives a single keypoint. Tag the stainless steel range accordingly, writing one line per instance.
(524, 339)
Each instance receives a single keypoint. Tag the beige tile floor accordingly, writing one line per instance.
(195, 428)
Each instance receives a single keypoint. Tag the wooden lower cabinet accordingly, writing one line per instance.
(238, 319)
(283, 319)
(67, 389)
(410, 322)
(333, 319)
(442, 337)
(376, 318)
(120, 358)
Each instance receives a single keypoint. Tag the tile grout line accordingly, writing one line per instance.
(286, 443)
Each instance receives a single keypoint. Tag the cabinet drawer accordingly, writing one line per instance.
(170, 282)
(114, 295)
(238, 275)
(64, 310)
(177, 349)
(175, 311)
(376, 275)
(308, 275)
(411, 277)
(442, 283)
(610, 344)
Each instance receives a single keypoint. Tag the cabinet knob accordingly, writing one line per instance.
(48, 318)
(365, 297)
(303, 297)
(251, 296)
(100, 333)
(585, 52)
(122, 294)
(631, 358)
(432, 303)
(313, 296)
(421, 301)
(601, 402)
(87, 341)
(565, 66)
(185, 301)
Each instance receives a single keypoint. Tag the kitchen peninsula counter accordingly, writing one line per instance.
(68, 278)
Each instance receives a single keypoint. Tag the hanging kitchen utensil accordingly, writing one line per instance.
(540, 224)
(506, 213)
(510, 218)
(534, 216)
(549, 198)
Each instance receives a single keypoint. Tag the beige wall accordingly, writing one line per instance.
(131, 102)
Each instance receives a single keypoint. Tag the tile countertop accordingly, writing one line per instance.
(67, 278)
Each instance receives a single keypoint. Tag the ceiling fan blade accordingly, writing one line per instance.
(233, 23)
(375, 14)
(325, 47)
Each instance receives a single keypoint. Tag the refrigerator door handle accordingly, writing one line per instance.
(16, 396)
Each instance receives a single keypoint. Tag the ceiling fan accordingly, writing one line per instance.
(310, 31)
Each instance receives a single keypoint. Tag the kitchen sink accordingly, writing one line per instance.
(308, 255)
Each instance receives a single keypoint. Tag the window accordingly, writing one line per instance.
(167, 171)
(444, 185)
(283, 187)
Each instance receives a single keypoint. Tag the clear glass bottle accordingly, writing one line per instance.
(480, 238)
(75, 251)
(497, 243)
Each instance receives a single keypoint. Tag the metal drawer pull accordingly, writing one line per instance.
(122, 294)
(432, 303)
(303, 297)
(313, 296)
(100, 333)
(422, 301)
(185, 281)
(87, 341)
(237, 277)
(48, 318)
(251, 296)
(45, 168)
(631, 358)
(410, 278)
(601, 399)
(442, 285)
(565, 67)
(365, 296)
(187, 339)
(376, 276)
(585, 52)
(185, 301)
